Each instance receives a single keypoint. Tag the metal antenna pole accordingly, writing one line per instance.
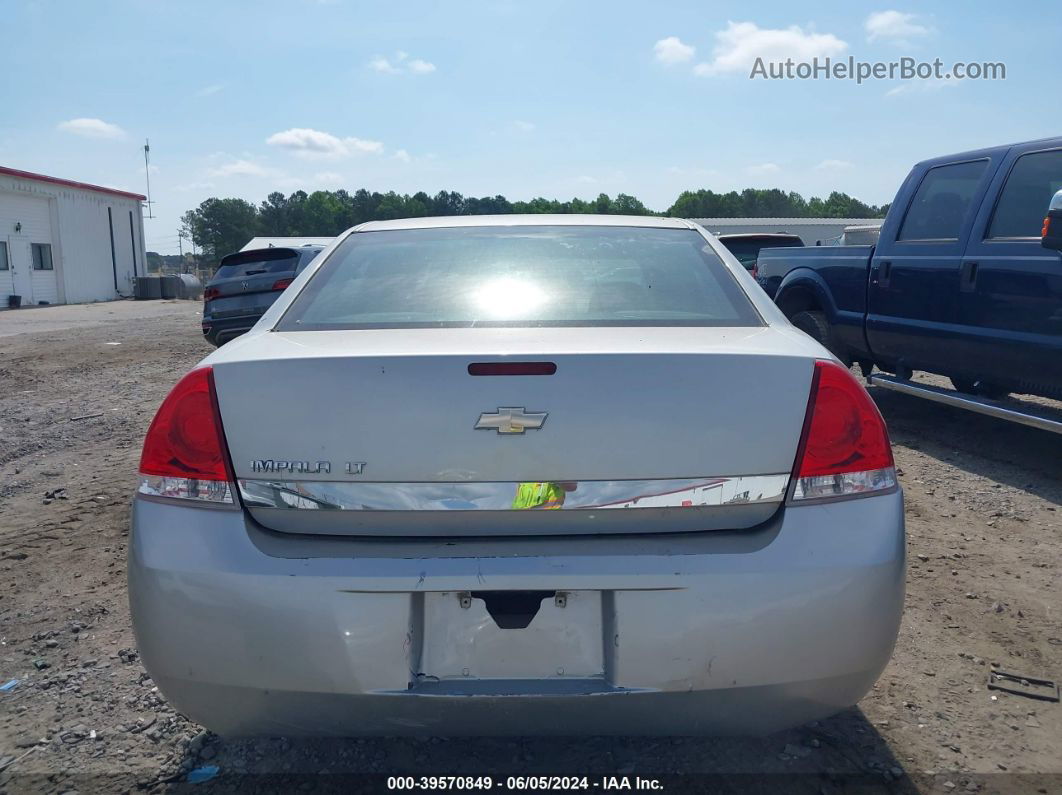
(147, 175)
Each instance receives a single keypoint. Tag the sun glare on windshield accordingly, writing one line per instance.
(509, 298)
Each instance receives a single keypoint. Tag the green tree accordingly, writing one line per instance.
(221, 226)
(273, 214)
(324, 211)
(770, 203)
(628, 205)
(390, 206)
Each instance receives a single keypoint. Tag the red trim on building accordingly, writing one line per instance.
(69, 183)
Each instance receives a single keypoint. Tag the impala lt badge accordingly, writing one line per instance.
(303, 467)
(511, 420)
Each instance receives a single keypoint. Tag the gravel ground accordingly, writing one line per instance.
(983, 590)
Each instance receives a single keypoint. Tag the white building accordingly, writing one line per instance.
(67, 242)
(810, 230)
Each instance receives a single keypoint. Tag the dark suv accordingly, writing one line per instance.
(245, 285)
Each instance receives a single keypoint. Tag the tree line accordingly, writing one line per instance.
(220, 226)
(770, 203)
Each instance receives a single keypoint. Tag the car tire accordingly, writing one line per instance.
(816, 326)
(973, 387)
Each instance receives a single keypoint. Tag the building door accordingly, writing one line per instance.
(20, 260)
(7, 287)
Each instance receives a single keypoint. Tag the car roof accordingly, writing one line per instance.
(543, 219)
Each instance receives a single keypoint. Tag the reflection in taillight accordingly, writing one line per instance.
(184, 452)
(844, 448)
(210, 293)
(282, 284)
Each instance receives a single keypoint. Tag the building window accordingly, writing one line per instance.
(3, 256)
(42, 256)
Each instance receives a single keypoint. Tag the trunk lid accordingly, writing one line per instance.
(388, 407)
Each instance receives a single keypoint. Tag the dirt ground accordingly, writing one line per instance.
(984, 589)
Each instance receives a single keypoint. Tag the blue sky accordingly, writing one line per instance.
(549, 98)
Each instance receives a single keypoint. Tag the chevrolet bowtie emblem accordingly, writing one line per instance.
(510, 420)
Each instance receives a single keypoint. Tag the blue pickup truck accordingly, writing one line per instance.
(958, 283)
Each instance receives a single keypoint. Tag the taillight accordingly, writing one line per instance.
(844, 448)
(184, 453)
(210, 293)
(1045, 230)
(282, 284)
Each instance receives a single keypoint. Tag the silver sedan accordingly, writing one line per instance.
(517, 475)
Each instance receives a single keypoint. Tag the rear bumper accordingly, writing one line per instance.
(220, 331)
(711, 633)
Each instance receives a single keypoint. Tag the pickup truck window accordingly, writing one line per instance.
(942, 201)
(1024, 199)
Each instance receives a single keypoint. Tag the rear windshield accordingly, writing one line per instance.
(521, 276)
(256, 263)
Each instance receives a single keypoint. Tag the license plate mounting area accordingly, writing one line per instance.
(507, 635)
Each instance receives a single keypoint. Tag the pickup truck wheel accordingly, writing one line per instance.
(979, 388)
(815, 325)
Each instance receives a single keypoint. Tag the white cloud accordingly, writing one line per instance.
(672, 51)
(195, 186)
(401, 63)
(322, 180)
(241, 168)
(419, 67)
(692, 173)
(364, 145)
(895, 26)
(833, 165)
(207, 91)
(738, 47)
(92, 128)
(403, 155)
(523, 126)
(763, 169)
(381, 64)
(305, 142)
(921, 86)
